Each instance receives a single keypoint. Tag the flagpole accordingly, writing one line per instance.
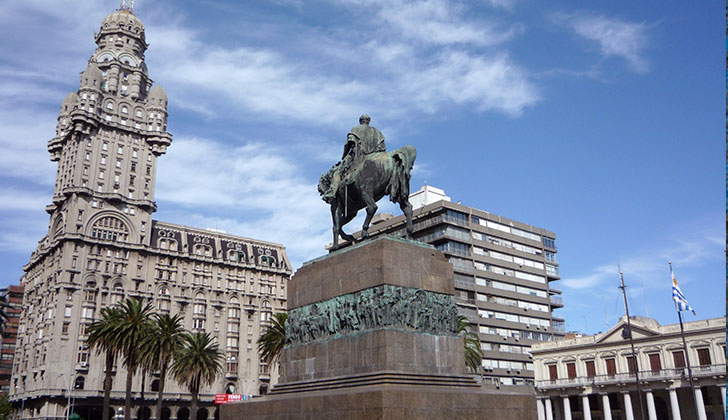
(685, 346)
(631, 342)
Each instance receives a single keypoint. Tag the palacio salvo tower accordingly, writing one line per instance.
(103, 246)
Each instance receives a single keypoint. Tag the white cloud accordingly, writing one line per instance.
(253, 190)
(616, 38)
(388, 72)
(14, 199)
(649, 267)
(441, 22)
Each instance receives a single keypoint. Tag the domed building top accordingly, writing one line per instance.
(122, 20)
(68, 103)
(158, 97)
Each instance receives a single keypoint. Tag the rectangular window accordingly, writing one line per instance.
(590, 369)
(655, 363)
(553, 373)
(64, 331)
(67, 312)
(704, 357)
(678, 357)
(611, 367)
(571, 370)
(120, 150)
(631, 365)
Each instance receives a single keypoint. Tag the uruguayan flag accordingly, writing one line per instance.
(677, 295)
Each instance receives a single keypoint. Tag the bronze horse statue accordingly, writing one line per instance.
(377, 175)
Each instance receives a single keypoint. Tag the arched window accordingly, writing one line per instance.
(110, 228)
(155, 385)
(57, 226)
(163, 291)
(124, 109)
(139, 113)
(109, 105)
(200, 306)
(202, 249)
(234, 308)
(117, 294)
(265, 314)
(230, 387)
(80, 381)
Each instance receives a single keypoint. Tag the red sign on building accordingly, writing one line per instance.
(227, 398)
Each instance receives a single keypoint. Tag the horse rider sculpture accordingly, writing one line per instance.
(364, 175)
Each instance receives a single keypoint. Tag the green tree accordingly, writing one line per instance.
(5, 407)
(166, 339)
(103, 337)
(271, 342)
(134, 326)
(198, 363)
(473, 353)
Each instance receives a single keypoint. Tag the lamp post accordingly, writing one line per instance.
(68, 386)
(22, 401)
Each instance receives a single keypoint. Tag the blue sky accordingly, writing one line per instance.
(601, 121)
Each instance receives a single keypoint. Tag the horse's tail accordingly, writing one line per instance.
(402, 160)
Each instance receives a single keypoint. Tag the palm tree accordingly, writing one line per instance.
(473, 353)
(166, 339)
(198, 363)
(271, 342)
(102, 337)
(134, 326)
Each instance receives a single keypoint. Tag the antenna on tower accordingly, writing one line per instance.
(127, 5)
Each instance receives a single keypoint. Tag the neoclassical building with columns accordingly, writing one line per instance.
(103, 246)
(593, 377)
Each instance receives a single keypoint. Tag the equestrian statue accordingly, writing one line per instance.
(365, 174)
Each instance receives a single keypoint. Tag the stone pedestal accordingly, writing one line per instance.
(372, 333)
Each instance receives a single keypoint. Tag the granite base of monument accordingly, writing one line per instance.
(372, 334)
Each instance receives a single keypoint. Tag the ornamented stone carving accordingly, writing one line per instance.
(386, 306)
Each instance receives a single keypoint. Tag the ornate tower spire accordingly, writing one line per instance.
(127, 5)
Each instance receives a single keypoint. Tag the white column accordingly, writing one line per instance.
(722, 395)
(540, 409)
(549, 410)
(585, 409)
(567, 408)
(651, 413)
(674, 404)
(606, 407)
(628, 413)
(699, 403)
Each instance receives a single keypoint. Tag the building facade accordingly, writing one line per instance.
(103, 246)
(593, 377)
(13, 298)
(504, 274)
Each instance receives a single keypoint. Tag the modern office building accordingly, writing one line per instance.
(593, 377)
(103, 246)
(504, 275)
(13, 299)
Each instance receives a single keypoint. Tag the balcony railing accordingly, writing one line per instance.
(557, 300)
(645, 376)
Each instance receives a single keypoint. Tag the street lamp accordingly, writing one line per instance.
(22, 401)
(68, 385)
